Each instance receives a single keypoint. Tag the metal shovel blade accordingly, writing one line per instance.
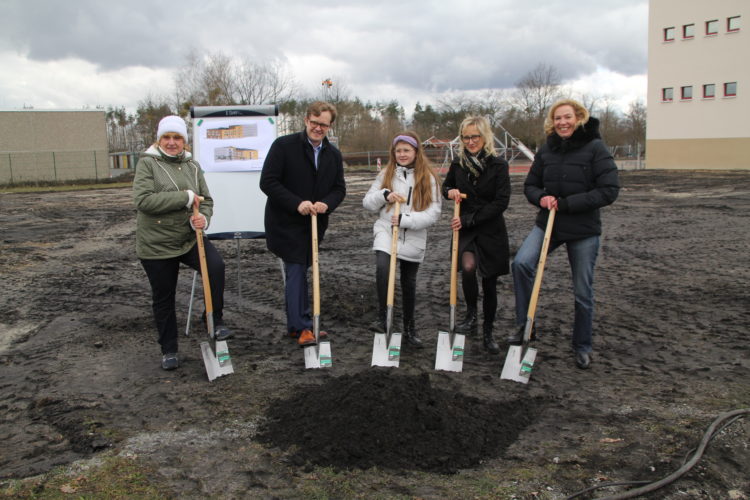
(386, 353)
(518, 365)
(318, 356)
(450, 356)
(218, 363)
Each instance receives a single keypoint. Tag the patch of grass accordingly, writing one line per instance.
(114, 478)
(63, 187)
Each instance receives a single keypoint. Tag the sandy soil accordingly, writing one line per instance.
(80, 375)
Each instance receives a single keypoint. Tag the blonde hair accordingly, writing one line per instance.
(485, 130)
(582, 114)
(423, 171)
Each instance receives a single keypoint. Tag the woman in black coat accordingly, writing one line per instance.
(480, 174)
(573, 173)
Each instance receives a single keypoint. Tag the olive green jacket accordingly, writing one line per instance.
(160, 193)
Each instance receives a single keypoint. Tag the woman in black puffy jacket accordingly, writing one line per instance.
(575, 174)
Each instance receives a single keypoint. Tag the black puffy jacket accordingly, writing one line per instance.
(581, 173)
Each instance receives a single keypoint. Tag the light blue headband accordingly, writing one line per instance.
(407, 139)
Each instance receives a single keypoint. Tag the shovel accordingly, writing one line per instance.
(450, 347)
(386, 348)
(520, 359)
(318, 355)
(215, 353)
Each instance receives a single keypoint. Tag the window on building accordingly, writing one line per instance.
(712, 27)
(709, 91)
(686, 92)
(669, 34)
(688, 31)
(730, 89)
(667, 94)
(733, 23)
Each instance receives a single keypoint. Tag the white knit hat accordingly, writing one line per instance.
(173, 124)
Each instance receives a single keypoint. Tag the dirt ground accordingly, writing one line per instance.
(80, 376)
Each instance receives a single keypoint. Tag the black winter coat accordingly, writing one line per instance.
(482, 221)
(288, 178)
(581, 173)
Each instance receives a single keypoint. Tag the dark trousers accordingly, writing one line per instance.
(298, 316)
(162, 274)
(408, 284)
(470, 287)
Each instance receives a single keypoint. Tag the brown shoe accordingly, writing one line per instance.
(306, 338)
(322, 335)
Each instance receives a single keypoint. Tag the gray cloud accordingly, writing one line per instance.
(437, 45)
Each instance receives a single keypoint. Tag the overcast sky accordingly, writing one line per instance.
(77, 53)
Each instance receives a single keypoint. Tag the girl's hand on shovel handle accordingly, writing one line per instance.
(395, 197)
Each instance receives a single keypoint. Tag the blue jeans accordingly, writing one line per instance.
(582, 257)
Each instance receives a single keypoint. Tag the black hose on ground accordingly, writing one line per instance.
(710, 433)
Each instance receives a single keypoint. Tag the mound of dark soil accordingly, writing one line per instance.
(380, 418)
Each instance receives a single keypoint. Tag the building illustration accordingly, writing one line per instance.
(233, 132)
(230, 153)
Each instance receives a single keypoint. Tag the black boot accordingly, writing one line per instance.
(378, 325)
(469, 324)
(489, 343)
(411, 335)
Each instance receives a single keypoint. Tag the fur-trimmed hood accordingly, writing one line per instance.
(581, 136)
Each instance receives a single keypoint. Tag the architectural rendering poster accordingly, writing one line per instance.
(231, 143)
(234, 144)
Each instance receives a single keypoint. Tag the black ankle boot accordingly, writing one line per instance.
(489, 343)
(469, 324)
(411, 335)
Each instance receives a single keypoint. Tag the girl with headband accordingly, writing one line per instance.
(409, 179)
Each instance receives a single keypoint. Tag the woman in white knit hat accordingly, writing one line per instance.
(167, 184)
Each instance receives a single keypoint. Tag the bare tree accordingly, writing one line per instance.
(263, 83)
(534, 94)
(635, 124)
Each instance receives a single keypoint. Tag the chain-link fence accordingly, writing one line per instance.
(19, 167)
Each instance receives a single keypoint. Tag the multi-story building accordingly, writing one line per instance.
(698, 84)
(233, 132)
(230, 153)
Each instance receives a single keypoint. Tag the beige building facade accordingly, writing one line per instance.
(698, 85)
(52, 146)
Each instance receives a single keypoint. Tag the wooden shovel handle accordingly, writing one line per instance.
(394, 251)
(204, 266)
(315, 268)
(540, 266)
(454, 254)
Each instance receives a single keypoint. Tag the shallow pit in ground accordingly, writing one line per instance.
(393, 421)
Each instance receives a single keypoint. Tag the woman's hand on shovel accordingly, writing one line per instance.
(198, 221)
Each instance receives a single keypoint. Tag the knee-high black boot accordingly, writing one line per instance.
(469, 324)
(378, 325)
(411, 335)
(489, 343)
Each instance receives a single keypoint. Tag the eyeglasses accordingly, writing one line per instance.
(322, 126)
(469, 138)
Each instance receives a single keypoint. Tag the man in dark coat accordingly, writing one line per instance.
(302, 175)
